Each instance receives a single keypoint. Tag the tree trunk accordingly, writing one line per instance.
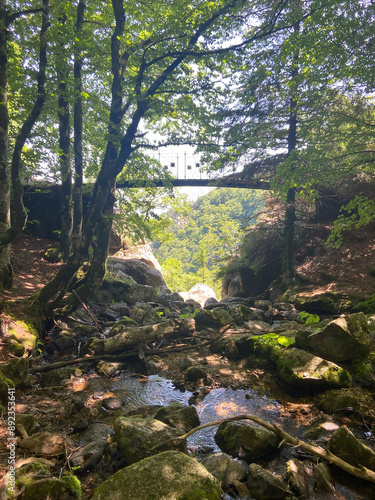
(78, 114)
(288, 260)
(10, 229)
(5, 266)
(64, 147)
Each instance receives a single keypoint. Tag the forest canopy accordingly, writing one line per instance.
(85, 87)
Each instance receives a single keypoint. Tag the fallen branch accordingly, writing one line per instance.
(120, 357)
(361, 471)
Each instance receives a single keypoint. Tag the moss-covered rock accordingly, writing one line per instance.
(194, 373)
(244, 440)
(5, 384)
(170, 475)
(343, 339)
(66, 488)
(52, 255)
(346, 446)
(16, 369)
(216, 318)
(139, 438)
(122, 325)
(304, 371)
(337, 401)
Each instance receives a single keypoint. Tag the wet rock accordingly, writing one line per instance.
(138, 438)
(304, 371)
(194, 373)
(170, 475)
(323, 479)
(297, 478)
(346, 446)
(183, 418)
(17, 370)
(112, 403)
(216, 318)
(46, 443)
(343, 339)
(5, 384)
(225, 469)
(92, 443)
(246, 441)
(263, 485)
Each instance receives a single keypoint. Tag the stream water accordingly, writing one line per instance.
(136, 391)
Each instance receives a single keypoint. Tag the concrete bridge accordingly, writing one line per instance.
(186, 169)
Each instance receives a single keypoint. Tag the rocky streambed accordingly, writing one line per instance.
(140, 368)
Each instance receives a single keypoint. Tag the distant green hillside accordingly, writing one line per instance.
(210, 234)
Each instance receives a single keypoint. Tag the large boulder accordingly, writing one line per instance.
(168, 476)
(139, 438)
(139, 252)
(343, 339)
(246, 441)
(122, 288)
(141, 272)
(201, 292)
(303, 371)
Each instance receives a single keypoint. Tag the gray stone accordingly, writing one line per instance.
(225, 469)
(323, 479)
(92, 443)
(246, 441)
(168, 476)
(141, 272)
(139, 438)
(263, 485)
(304, 371)
(183, 418)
